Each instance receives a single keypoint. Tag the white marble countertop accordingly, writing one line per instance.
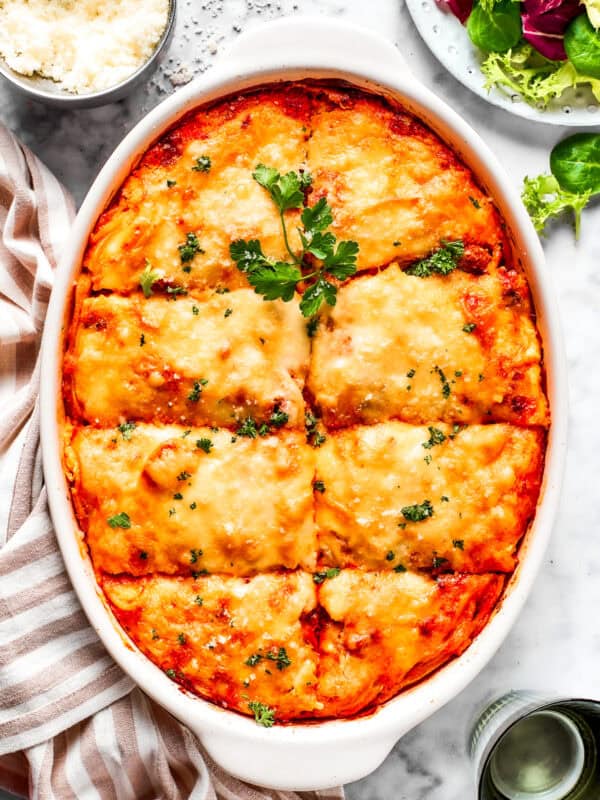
(555, 643)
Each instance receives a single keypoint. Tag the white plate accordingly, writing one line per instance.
(447, 39)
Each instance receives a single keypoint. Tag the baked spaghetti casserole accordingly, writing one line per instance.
(305, 420)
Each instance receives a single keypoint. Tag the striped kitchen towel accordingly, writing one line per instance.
(72, 725)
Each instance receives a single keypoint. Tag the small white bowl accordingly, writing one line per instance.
(324, 754)
(49, 92)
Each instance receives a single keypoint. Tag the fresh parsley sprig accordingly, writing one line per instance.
(278, 279)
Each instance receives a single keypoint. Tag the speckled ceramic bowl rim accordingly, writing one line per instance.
(28, 85)
(320, 755)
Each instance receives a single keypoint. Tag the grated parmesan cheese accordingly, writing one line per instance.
(83, 45)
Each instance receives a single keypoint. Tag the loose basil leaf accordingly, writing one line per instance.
(575, 163)
(582, 44)
(495, 30)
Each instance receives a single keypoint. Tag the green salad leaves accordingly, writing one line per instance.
(538, 80)
(582, 45)
(495, 26)
(576, 163)
(534, 48)
(574, 180)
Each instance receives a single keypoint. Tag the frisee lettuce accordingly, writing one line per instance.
(544, 199)
(539, 81)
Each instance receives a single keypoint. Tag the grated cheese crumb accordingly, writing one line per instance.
(83, 45)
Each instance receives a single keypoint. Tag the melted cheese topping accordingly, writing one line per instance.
(220, 460)
(482, 485)
(395, 346)
(253, 356)
(387, 630)
(190, 510)
(150, 219)
(222, 636)
(203, 632)
(394, 187)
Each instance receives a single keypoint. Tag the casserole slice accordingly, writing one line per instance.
(233, 641)
(215, 359)
(456, 348)
(433, 497)
(175, 500)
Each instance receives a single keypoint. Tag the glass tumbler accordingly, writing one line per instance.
(531, 746)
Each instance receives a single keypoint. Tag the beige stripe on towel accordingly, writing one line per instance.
(72, 725)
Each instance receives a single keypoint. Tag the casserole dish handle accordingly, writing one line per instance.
(299, 760)
(311, 40)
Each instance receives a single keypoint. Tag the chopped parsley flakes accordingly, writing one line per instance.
(418, 512)
(278, 418)
(203, 164)
(196, 392)
(320, 577)
(195, 555)
(436, 436)
(148, 278)
(469, 327)
(440, 262)
(438, 562)
(126, 429)
(120, 520)
(444, 381)
(458, 543)
(400, 568)
(313, 436)
(281, 658)
(204, 444)
(263, 715)
(250, 429)
(189, 249)
(390, 556)
(175, 291)
(319, 486)
(456, 429)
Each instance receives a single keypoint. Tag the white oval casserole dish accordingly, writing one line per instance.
(325, 754)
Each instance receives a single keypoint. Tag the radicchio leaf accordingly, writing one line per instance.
(545, 22)
(460, 8)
